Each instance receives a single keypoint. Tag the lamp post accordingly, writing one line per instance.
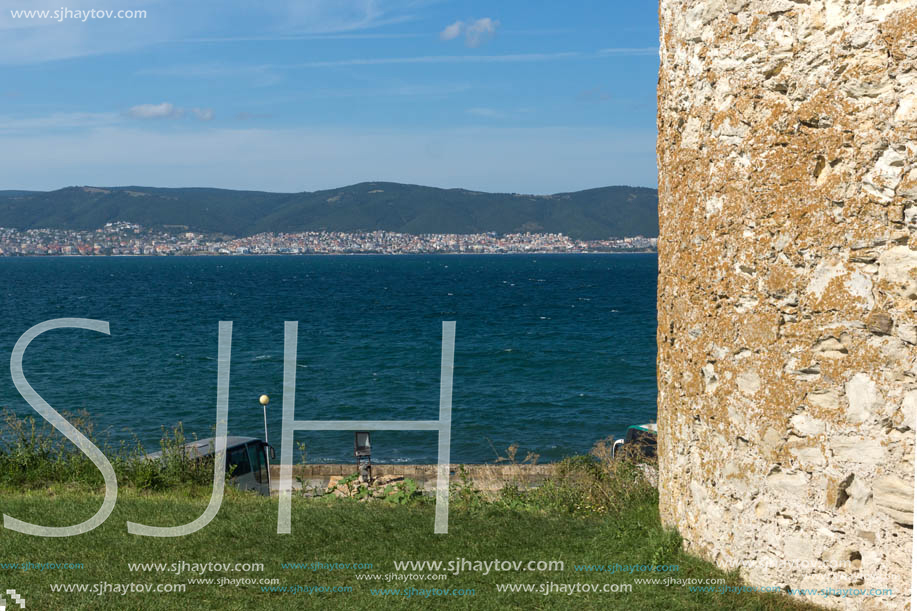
(264, 400)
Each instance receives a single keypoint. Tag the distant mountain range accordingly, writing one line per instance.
(591, 214)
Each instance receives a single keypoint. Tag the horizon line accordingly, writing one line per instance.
(362, 182)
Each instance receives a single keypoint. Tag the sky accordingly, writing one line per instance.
(511, 96)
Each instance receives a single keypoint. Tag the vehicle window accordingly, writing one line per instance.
(239, 457)
(256, 455)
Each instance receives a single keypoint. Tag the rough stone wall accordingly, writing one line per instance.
(788, 286)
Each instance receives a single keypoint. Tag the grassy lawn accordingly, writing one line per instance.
(340, 530)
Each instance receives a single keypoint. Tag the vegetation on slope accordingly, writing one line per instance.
(591, 214)
(597, 512)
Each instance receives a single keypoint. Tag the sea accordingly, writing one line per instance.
(553, 353)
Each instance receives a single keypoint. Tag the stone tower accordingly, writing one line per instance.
(788, 289)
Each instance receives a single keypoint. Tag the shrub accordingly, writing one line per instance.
(34, 455)
(595, 483)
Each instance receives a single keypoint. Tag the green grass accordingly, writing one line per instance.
(596, 511)
(340, 530)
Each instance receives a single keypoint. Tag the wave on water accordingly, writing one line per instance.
(529, 369)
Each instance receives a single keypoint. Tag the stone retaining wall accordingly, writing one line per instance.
(488, 478)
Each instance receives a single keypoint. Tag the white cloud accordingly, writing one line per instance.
(629, 51)
(167, 110)
(476, 32)
(257, 75)
(480, 31)
(394, 90)
(492, 113)
(271, 73)
(155, 111)
(35, 40)
(250, 116)
(344, 36)
(204, 114)
(60, 120)
(444, 59)
(452, 31)
(488, 113)
(297, 17)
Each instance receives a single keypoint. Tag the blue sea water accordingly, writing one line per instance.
(552, 352)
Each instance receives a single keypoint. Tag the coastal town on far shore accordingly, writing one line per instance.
(123, 238)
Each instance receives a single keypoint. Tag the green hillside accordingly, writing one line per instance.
(590, 214)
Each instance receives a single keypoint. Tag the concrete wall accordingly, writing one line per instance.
(788, 286)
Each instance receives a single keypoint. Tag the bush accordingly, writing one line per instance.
(33, 455)
(36, 455)
(175, 467)
(590, 484)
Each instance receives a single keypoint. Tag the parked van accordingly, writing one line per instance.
(245, 460)
(639, 438)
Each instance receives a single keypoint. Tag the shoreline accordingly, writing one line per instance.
(333, 254)
(484, 477)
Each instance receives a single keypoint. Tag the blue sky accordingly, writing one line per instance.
(533, 97)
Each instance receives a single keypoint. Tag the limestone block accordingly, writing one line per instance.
(909, 410)
(795, 484)
(806, 425)
(898, 266)
(907, 333)
(895, 497)
(748, 382)
(863, 398)
(859, 501)
(862, 450)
